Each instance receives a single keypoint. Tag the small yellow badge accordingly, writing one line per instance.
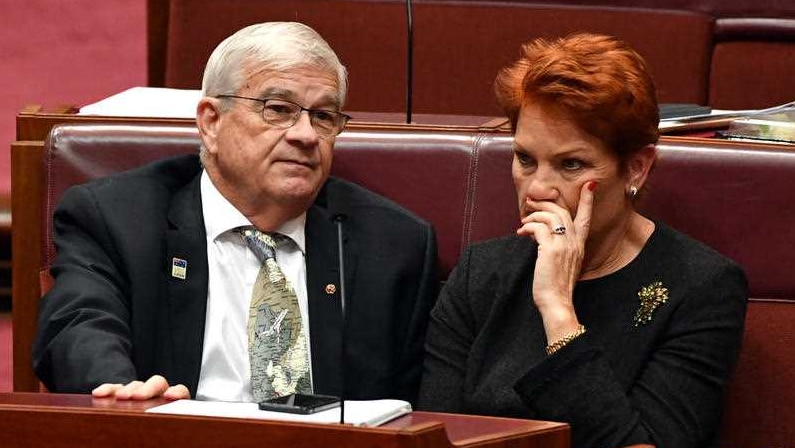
(331, 288)
(179, 268)
(650, 297)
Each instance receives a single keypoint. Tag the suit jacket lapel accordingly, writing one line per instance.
(325, 318)
(187, 298)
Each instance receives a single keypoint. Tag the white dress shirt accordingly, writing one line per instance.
(233, 270)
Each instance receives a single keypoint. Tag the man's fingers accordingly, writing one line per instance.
(126, 391)
(106, 390)
(177, 392)
(153, 387)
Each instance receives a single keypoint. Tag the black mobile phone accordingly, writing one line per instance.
(300, 403)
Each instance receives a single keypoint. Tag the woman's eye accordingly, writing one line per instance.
(523, 159)
(572, 164)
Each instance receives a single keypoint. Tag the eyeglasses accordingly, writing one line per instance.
(284, 114)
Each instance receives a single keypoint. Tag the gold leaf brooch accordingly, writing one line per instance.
(650, 297)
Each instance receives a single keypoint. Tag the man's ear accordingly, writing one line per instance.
(208, 118)
(640, 165)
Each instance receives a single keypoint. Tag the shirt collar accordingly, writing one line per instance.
(220, 216)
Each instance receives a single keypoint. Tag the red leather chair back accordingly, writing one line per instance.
(428, 173)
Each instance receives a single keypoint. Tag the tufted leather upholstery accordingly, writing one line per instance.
(735, 197)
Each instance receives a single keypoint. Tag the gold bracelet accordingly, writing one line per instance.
(560, 343)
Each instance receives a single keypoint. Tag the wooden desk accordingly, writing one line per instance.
(71, 421)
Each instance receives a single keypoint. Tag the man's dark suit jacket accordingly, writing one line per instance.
(116, 313)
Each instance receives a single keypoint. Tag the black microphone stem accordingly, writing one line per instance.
(409, 59)
(339, 218)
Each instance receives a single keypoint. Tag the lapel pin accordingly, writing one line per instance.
(650, 297)
(179, 268)
(331, 288)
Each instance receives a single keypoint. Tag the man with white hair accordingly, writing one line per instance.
(214, 276)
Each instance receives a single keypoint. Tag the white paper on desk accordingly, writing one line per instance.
(357, 413)
(155, 102)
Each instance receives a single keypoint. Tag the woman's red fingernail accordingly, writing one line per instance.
(592, 185)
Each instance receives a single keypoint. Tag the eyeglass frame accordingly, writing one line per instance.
(343, 117)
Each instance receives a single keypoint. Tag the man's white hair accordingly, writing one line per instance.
(276, 46)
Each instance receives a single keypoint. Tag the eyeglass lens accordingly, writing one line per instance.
(282, 113)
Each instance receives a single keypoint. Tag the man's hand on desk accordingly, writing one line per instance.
(154, 387)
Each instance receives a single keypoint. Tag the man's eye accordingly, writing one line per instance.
(572, 164)
(323, 116)
(279, 108)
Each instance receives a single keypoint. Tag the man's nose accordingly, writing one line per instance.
(303, 130)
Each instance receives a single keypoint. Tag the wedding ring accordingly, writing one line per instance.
(559, 230)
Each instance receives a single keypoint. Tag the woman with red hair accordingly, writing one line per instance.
(592, 314)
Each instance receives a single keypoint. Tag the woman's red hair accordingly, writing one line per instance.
(598, 81)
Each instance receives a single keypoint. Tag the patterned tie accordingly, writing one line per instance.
(277, 343)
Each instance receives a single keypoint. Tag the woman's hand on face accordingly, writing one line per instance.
(560, 255)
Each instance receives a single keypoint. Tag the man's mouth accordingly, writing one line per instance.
(305, 163)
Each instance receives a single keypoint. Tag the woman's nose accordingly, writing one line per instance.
(541, 186)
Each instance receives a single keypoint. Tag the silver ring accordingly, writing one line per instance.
(559, 230)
